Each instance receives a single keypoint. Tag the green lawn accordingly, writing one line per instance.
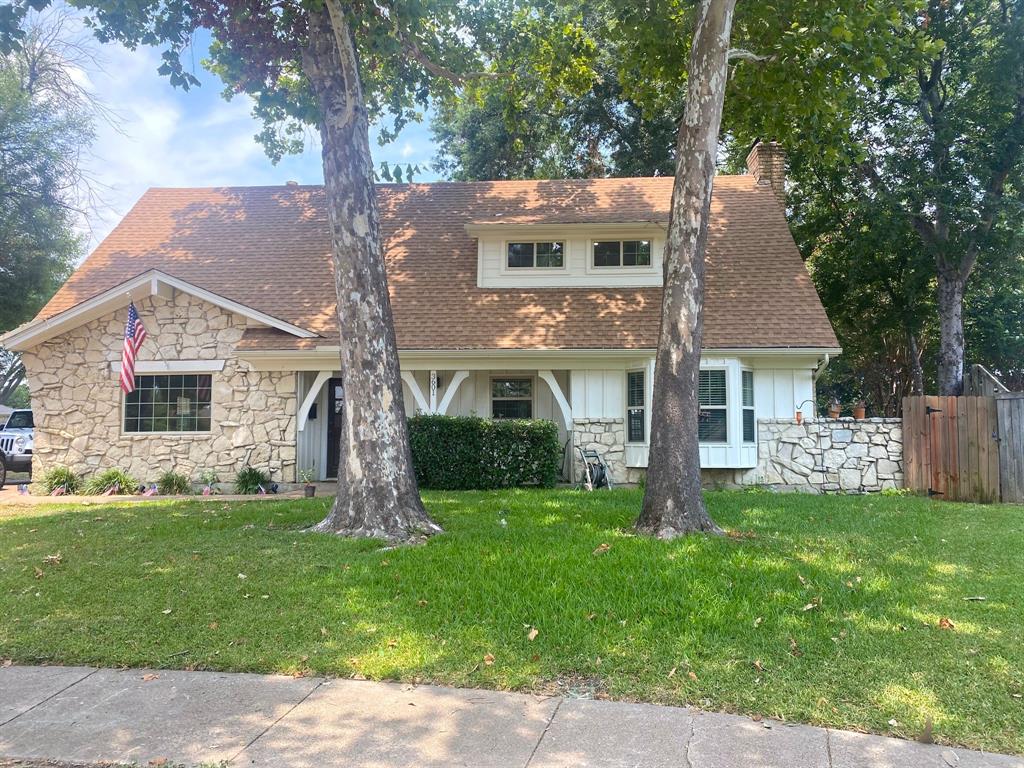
(818, 609)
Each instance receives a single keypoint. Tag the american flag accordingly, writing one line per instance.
(134, 335)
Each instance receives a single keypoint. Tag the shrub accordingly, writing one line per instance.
(250, 480)
(171, 483)
(61, 476)
(109, 478)
(468, 452)
(208, 477)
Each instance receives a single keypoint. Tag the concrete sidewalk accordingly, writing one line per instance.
(79, 714)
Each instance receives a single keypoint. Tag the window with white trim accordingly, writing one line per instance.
(712, 397)
(537, 255)
(749, 422)
(512, 398)
(169, 403)
(636, 407)
(622, 253)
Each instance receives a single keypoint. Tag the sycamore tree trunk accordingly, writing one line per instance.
(950, 299)
(673, 504)
(377, 492)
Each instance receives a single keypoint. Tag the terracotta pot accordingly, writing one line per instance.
(799, 417)
(834, 411)
(858, 412)
(310, 491)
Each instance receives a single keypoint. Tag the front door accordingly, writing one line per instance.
(335, 404)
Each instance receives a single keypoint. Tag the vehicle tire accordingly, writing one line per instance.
(3, 470)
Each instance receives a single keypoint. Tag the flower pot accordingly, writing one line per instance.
(834, 411)
(858, 412)
(799, 417)
(310, 491)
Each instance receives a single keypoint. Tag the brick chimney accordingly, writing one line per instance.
(767, 164)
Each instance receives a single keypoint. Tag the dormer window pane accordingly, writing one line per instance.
(607, 253)
(544, 255)
(636, 253)
(550, 254)
(520, 254)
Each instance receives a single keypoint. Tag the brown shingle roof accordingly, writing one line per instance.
(268, 248)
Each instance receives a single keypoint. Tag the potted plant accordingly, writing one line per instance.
(834, 409)
(799, 417)
(859, 409)
(306, 476)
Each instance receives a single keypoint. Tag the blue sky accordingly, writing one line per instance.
(171, 138)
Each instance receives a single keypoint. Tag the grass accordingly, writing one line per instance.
(818, 609)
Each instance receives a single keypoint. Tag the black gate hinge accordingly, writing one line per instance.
(929, 410)
(932, 492)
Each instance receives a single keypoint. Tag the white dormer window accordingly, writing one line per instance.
(536, 255)
(622, 253)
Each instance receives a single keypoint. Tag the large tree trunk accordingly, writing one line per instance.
(377, 492)
(673, 504)
(950, 296)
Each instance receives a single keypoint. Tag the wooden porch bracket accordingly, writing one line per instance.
(453, 387)
(417, 393)
(311, 396)
(549, 378)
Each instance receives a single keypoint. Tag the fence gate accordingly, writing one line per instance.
(951, 448)
(1010, 411)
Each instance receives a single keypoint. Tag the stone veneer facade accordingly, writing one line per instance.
(77, 400)
(820, 456)
(823, 456)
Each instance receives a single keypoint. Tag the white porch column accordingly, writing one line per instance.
(449, 393)
(311, 396)
(549, 378)
(417, 393)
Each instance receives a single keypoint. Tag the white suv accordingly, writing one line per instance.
(16, 441)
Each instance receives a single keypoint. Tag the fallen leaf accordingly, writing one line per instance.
(489, 659)
(535, 657)
(149, 677)
(213, 625)
(815, 603)
(757, 621)
(803, 581)
(421, 603)
(392, 643)
(165, 611)
(53, 559)
(323, 631)
(672, 672)
(38, 572)
(532, 634)
(950, 757)
(945, 623)
(597, 662)
(242, 576)
(7, 663)
(602, 548)
(692, 675)
(758, 665)
(156, 762)
(794, 649)
(385, 563)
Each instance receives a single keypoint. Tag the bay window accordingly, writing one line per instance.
(713, 418)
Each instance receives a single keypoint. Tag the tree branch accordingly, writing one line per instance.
(741, 54)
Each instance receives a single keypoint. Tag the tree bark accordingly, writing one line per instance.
(916, 369)
(950, 300)
(673, 504)
(377, 492)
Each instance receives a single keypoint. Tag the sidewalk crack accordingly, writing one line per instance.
(543, 733)
(828, 746)
(689, 740)
(48, 698)
(291, 709)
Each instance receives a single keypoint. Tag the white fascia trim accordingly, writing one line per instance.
(151, 283)
(770, 351)
(173, 366)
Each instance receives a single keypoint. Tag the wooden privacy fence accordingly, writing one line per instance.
(968, 448)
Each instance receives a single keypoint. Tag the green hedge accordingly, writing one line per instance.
(467, 452)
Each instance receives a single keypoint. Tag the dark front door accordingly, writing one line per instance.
(335, 404)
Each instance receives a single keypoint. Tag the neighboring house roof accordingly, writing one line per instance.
(268, 248)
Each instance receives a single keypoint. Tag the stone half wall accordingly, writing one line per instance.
(822, 456)
(607, 437)
(77, 400)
